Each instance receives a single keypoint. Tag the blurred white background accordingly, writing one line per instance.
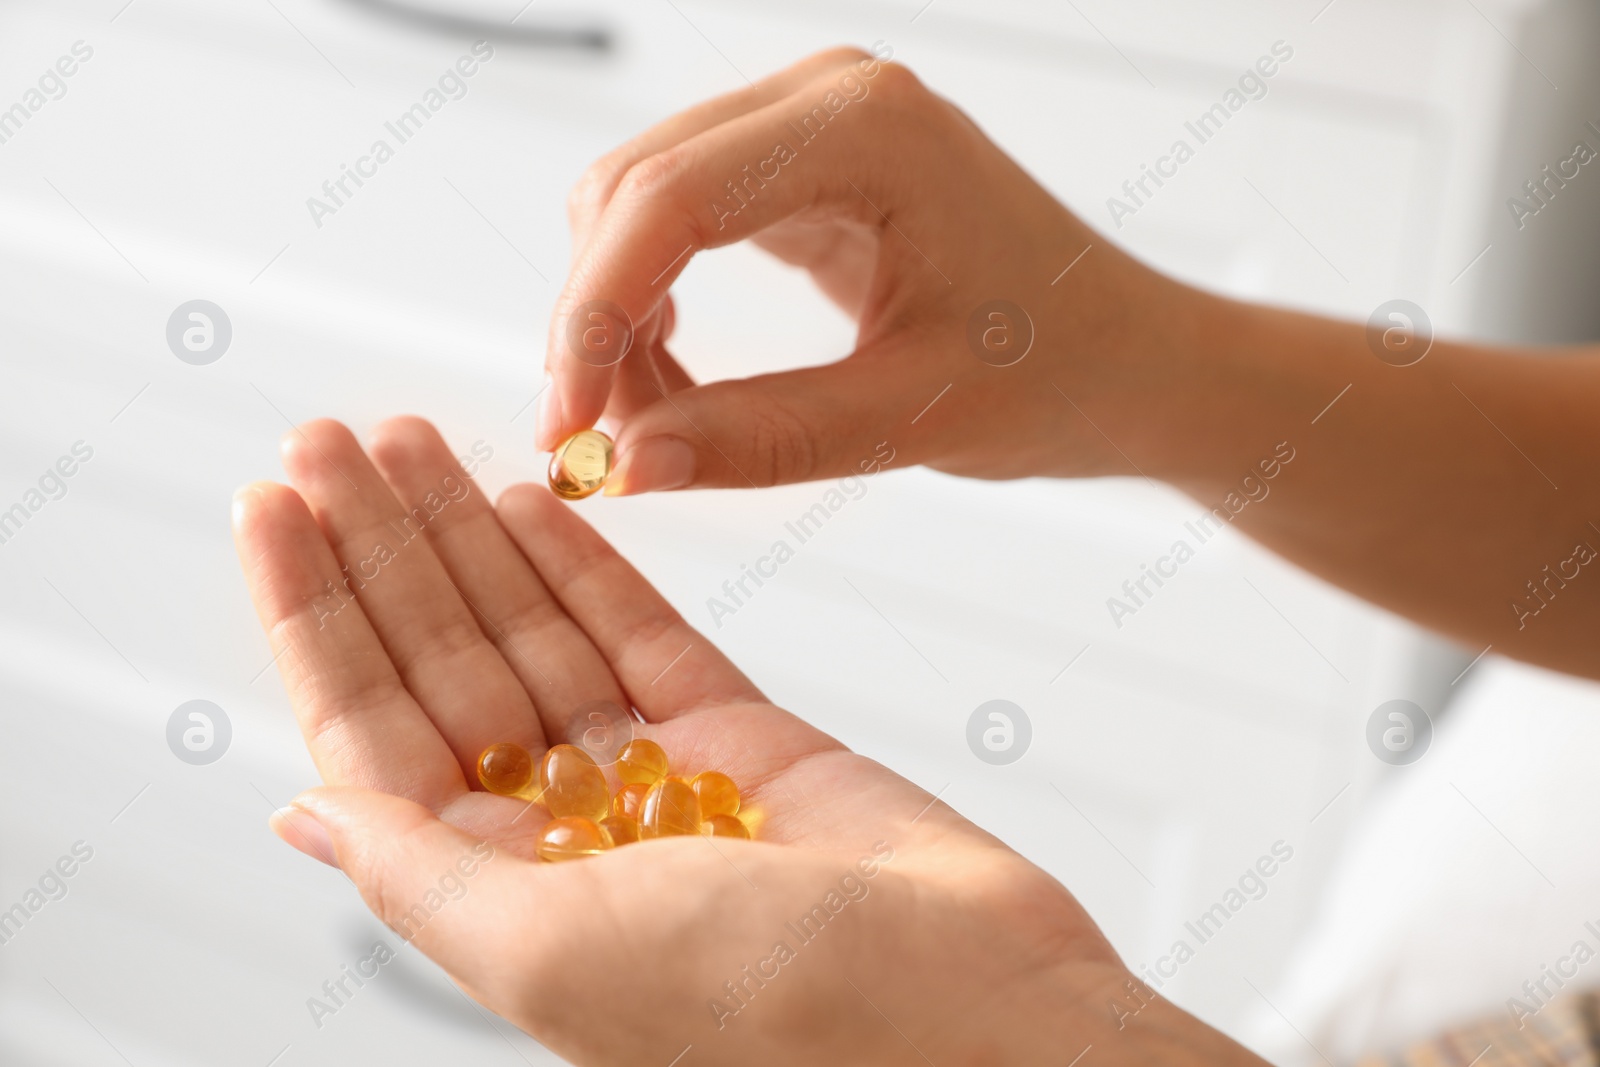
(1166, 755)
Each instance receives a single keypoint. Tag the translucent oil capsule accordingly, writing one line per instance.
(718, 795)
(620, 829)
(507, 769)
(670, 810)
(581, 464)
(629, 799)
(721, 825)
(641, 762)
(570, 838)
(571, 785)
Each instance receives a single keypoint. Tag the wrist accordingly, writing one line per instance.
(1197, 390)
(1134, 356)
(1122, 1019)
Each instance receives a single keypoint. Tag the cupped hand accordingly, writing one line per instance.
(994, 329)
(415, 624)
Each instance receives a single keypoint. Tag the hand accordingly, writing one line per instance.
(471, 624)
(908, 218)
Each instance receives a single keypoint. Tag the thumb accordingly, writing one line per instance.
(775, 429)
(432, 884)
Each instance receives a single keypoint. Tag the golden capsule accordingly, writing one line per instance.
(571, 785)
(641, 762)
(629, 799)
(620, 829)
(507, 770)
(721, 825)
(570, 838)
(581, 464)
(670, 810)
(718, 795)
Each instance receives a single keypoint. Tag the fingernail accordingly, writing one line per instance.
(549, 416)
(243, 496)
(651, 465)
(299, 828)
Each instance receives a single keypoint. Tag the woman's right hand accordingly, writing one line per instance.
(975, 342)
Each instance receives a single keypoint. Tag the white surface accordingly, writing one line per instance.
(1470, 877)
(1190, 740)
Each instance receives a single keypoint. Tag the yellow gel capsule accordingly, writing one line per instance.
(629, 799)
(720, 825)
(670, 810)
(718, 795)
(641, 762)
(570, 838)
(571, 785)
(580, 465)
(620, 829)
(507, 770)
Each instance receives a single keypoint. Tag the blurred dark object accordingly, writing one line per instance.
(528, 30)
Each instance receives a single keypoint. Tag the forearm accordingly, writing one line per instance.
(1462, 491)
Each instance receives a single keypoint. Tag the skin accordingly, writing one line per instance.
(495, 623)
(1439, 490)
(1430, 489)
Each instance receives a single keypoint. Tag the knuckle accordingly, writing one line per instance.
(901, 88)
(656, 187)
(898, 83)
(406, 915)
(844, 54)
(782, 448)
(653, 176)
(382, 886)
(590, 192)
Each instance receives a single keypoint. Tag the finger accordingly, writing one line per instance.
(545, 649)
(360, 724)
(669, 319)
(666, 668)
(595, 189)
(642, 379)
(683, 200)
(463, 684)
(849, 418)
(445, 891)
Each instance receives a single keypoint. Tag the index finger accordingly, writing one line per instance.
(600, 181)
(714, 189)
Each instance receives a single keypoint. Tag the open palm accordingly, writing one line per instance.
(416, 624)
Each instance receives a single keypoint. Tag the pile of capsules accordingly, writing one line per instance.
(589, 819)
